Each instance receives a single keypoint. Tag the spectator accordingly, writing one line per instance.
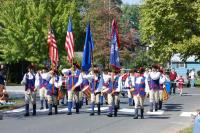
(192, 77)
(188, 78)
(172, 77)
(180, 84)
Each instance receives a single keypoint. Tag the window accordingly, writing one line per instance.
(180, 65)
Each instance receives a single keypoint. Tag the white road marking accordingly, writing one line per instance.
(102, 108)
(127, 110)
(159, 112)
(188, 114)
(15, 110)
(43, 110)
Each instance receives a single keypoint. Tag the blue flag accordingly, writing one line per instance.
(114, 52)
(88, 49)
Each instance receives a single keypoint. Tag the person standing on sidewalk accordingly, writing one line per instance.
(192, 78)
(172, 77)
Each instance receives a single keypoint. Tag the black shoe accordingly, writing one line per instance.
(156, 106)
(50, 113)
(115, 111)
(160, 105)
(136, 114)
(109, 115)
(91, 114)
(56, 109)
(26, 114)
(77, 108)
(34, 110)
(142, 113)
(69, 113)
(99, 109)
(41, 108)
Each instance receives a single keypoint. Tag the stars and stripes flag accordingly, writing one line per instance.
(53, 49)
(69, 43)
(114, 51)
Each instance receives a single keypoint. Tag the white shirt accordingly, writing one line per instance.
(192, 75)
(30, 76)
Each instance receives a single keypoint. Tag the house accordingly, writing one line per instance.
(182, 67)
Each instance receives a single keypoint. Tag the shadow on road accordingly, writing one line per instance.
(173, 107)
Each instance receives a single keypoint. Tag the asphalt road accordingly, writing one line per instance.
(174, 116)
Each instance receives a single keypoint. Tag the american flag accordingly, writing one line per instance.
(69, 44)
(53, 49)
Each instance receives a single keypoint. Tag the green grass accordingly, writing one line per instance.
(197, 82)
(186, 130)
(19, 102)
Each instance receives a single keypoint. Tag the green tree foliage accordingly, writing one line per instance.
(24, 28)
(100, 14)
(171, 26)
(130, 16)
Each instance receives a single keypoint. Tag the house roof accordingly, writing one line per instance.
(177, 58)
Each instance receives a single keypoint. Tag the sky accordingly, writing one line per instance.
(132, 1)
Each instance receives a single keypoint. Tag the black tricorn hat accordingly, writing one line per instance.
(76, 65)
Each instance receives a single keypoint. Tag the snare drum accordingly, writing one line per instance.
(86, 90)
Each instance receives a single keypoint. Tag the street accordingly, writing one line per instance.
(176, 114)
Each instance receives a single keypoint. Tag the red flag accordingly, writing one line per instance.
(53, 49)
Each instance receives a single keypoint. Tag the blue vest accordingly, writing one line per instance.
(52, 90)
(116, 82)
(154, 84)
(74, 79)
(140, 88)
(30, 83)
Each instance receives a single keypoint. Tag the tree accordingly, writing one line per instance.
(100, 14)
(24, 28)
(171, 26)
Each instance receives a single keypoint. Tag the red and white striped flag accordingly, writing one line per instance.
(69, 44)
(53, 49)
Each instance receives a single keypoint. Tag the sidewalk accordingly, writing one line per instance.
(15, 91)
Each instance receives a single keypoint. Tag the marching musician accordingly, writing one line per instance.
(55, 82)
(40, 84)
(30, 90)
(162, 81)
(154, 88)
(64, 88)
(73, 88)
(128, 82)
(96, 82)
(117, 87)
(139, 93)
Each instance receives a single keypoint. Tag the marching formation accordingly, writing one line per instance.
(94, 86)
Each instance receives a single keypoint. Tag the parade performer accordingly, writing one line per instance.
(117, 87)
(139, 93)
(154, 88)
(162, 81)
(64, 88)
(180, 84)
(127, 79)
(73, 88)
(30, 90)
(96, 82)
(147, 76)
(40, 84)
(55, 82)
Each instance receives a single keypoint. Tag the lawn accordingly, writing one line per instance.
(18, 102)
(186, 130)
